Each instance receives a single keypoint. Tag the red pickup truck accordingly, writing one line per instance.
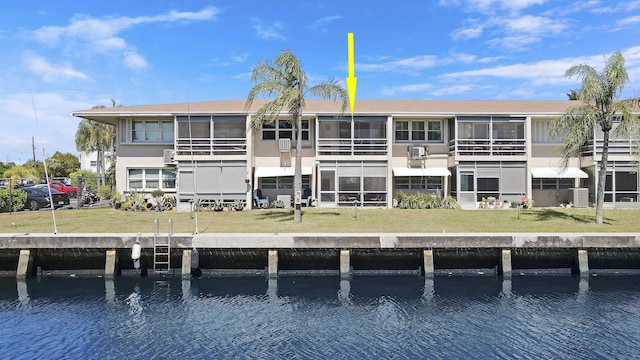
(71, 191)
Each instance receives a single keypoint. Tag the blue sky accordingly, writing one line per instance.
(66, 55)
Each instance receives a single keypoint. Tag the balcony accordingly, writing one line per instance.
(486, 147)
(211, 147)
(617, 147)
(351, 147)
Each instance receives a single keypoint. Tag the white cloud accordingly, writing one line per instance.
(240, 58)
(133, 60)
(545, 72)
(410, 88)
(55, 130)
(629, 20)
(271, 32)
(51, 72)
(466, 33)
(410, 64)
(489, 6)
(100, 35)
(322, 22)
(413, 65)
(534, 24)
(514, 43)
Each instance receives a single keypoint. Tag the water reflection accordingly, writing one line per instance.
(321, 316)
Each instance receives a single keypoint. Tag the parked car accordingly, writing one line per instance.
(38, 197)
(71, 191)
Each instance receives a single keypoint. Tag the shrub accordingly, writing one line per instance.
(426, 201)
(106, 192)
(88, 177)
(18, 199)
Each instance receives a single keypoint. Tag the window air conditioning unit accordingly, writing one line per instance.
(418, 152)
(284, 144)
(168, 156)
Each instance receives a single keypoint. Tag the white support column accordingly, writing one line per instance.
(273, 264)
(24, 264)
(505, 263)
(345, 263)
(186, 263)
(111, 263)
(429, 267)
(583, 262)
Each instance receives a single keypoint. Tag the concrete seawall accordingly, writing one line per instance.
(344, 254)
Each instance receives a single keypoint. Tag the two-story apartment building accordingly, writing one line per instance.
(469, 149)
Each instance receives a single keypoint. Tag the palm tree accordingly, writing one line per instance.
(287, 82)
(94, 136)
(598, 107)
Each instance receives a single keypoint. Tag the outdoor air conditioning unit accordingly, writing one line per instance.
(284, 144)
(418, 152)
(167, 155)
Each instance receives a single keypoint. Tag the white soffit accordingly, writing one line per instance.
(558, 173)
(430, 171)
(280, 171)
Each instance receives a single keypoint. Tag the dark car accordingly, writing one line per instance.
(38, 197)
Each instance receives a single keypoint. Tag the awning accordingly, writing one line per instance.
(430, 171)
(558, 173)
(280, 171)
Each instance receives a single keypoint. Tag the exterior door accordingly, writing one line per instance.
(327, 196)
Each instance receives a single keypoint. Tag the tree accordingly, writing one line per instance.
(285, 80)
(18, 173)
(572, 94)
(598, 107)
(37, 166)
(61, 165)
(94, 136)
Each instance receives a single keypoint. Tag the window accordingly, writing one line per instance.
(152, 130)
(282, 129)
(434, 132)
(151, 179)
(402, 131)
(552, 184)
(418, 130)
(283, 182)
(418, 183)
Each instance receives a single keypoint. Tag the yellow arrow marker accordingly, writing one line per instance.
(351, 80)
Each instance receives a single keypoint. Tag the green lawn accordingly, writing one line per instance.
(107, 220)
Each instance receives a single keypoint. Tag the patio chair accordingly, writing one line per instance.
(259, 199)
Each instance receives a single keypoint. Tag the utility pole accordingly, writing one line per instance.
(33, 147)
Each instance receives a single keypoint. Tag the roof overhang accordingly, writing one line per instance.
(558, 173)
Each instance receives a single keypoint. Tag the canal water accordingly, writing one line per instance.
(322, 317)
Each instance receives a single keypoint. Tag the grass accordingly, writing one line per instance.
(343, 220)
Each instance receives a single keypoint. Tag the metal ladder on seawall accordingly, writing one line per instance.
(161, 249)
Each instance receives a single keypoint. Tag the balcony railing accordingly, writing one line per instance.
(211, 147)
(486, 147)
(621, 147)
(352, 146)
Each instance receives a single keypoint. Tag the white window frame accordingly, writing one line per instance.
(161, 178)
(274, 127)
(425, 131)
(163, 137)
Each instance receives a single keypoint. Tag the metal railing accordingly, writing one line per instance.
(209, 147)
(624, 147)
(360, 146)
(488, 147)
